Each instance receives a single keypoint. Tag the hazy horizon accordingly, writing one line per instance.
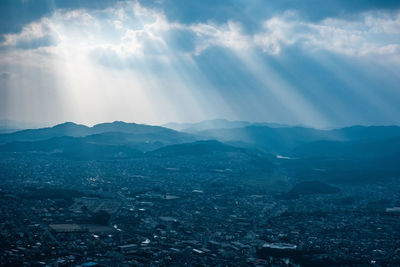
(23, 125)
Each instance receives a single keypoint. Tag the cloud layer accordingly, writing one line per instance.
(130, 29)
(167, 64)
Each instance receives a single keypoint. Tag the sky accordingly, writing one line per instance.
(318, 63)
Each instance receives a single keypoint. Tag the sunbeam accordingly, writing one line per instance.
(131, 61)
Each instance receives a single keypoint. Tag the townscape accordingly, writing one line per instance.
(185, 211)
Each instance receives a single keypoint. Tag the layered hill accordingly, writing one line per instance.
(365, 148)
(285, 139)
(349, 154)
(198, 149)
(116, 133)
(217, 124)
(72, 148)
(106, 140)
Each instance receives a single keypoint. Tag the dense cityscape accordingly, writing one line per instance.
(56, 212)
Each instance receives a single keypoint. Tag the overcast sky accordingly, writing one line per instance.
(316, 63)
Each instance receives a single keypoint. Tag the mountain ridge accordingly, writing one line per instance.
(79, 130)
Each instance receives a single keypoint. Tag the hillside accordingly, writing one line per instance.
(199, 148)
(77, 130)
(217, 124)
(72, 148)
(350, 149)
(285, 139)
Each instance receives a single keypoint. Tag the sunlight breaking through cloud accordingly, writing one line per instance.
(156, 77)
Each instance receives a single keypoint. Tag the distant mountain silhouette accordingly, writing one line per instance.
(77, 130)
(351, 154)
(285, 139)
(215, 124)
(273, 140)
(106, 140)
(123, 127)
(297, 141)
(65, 129)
